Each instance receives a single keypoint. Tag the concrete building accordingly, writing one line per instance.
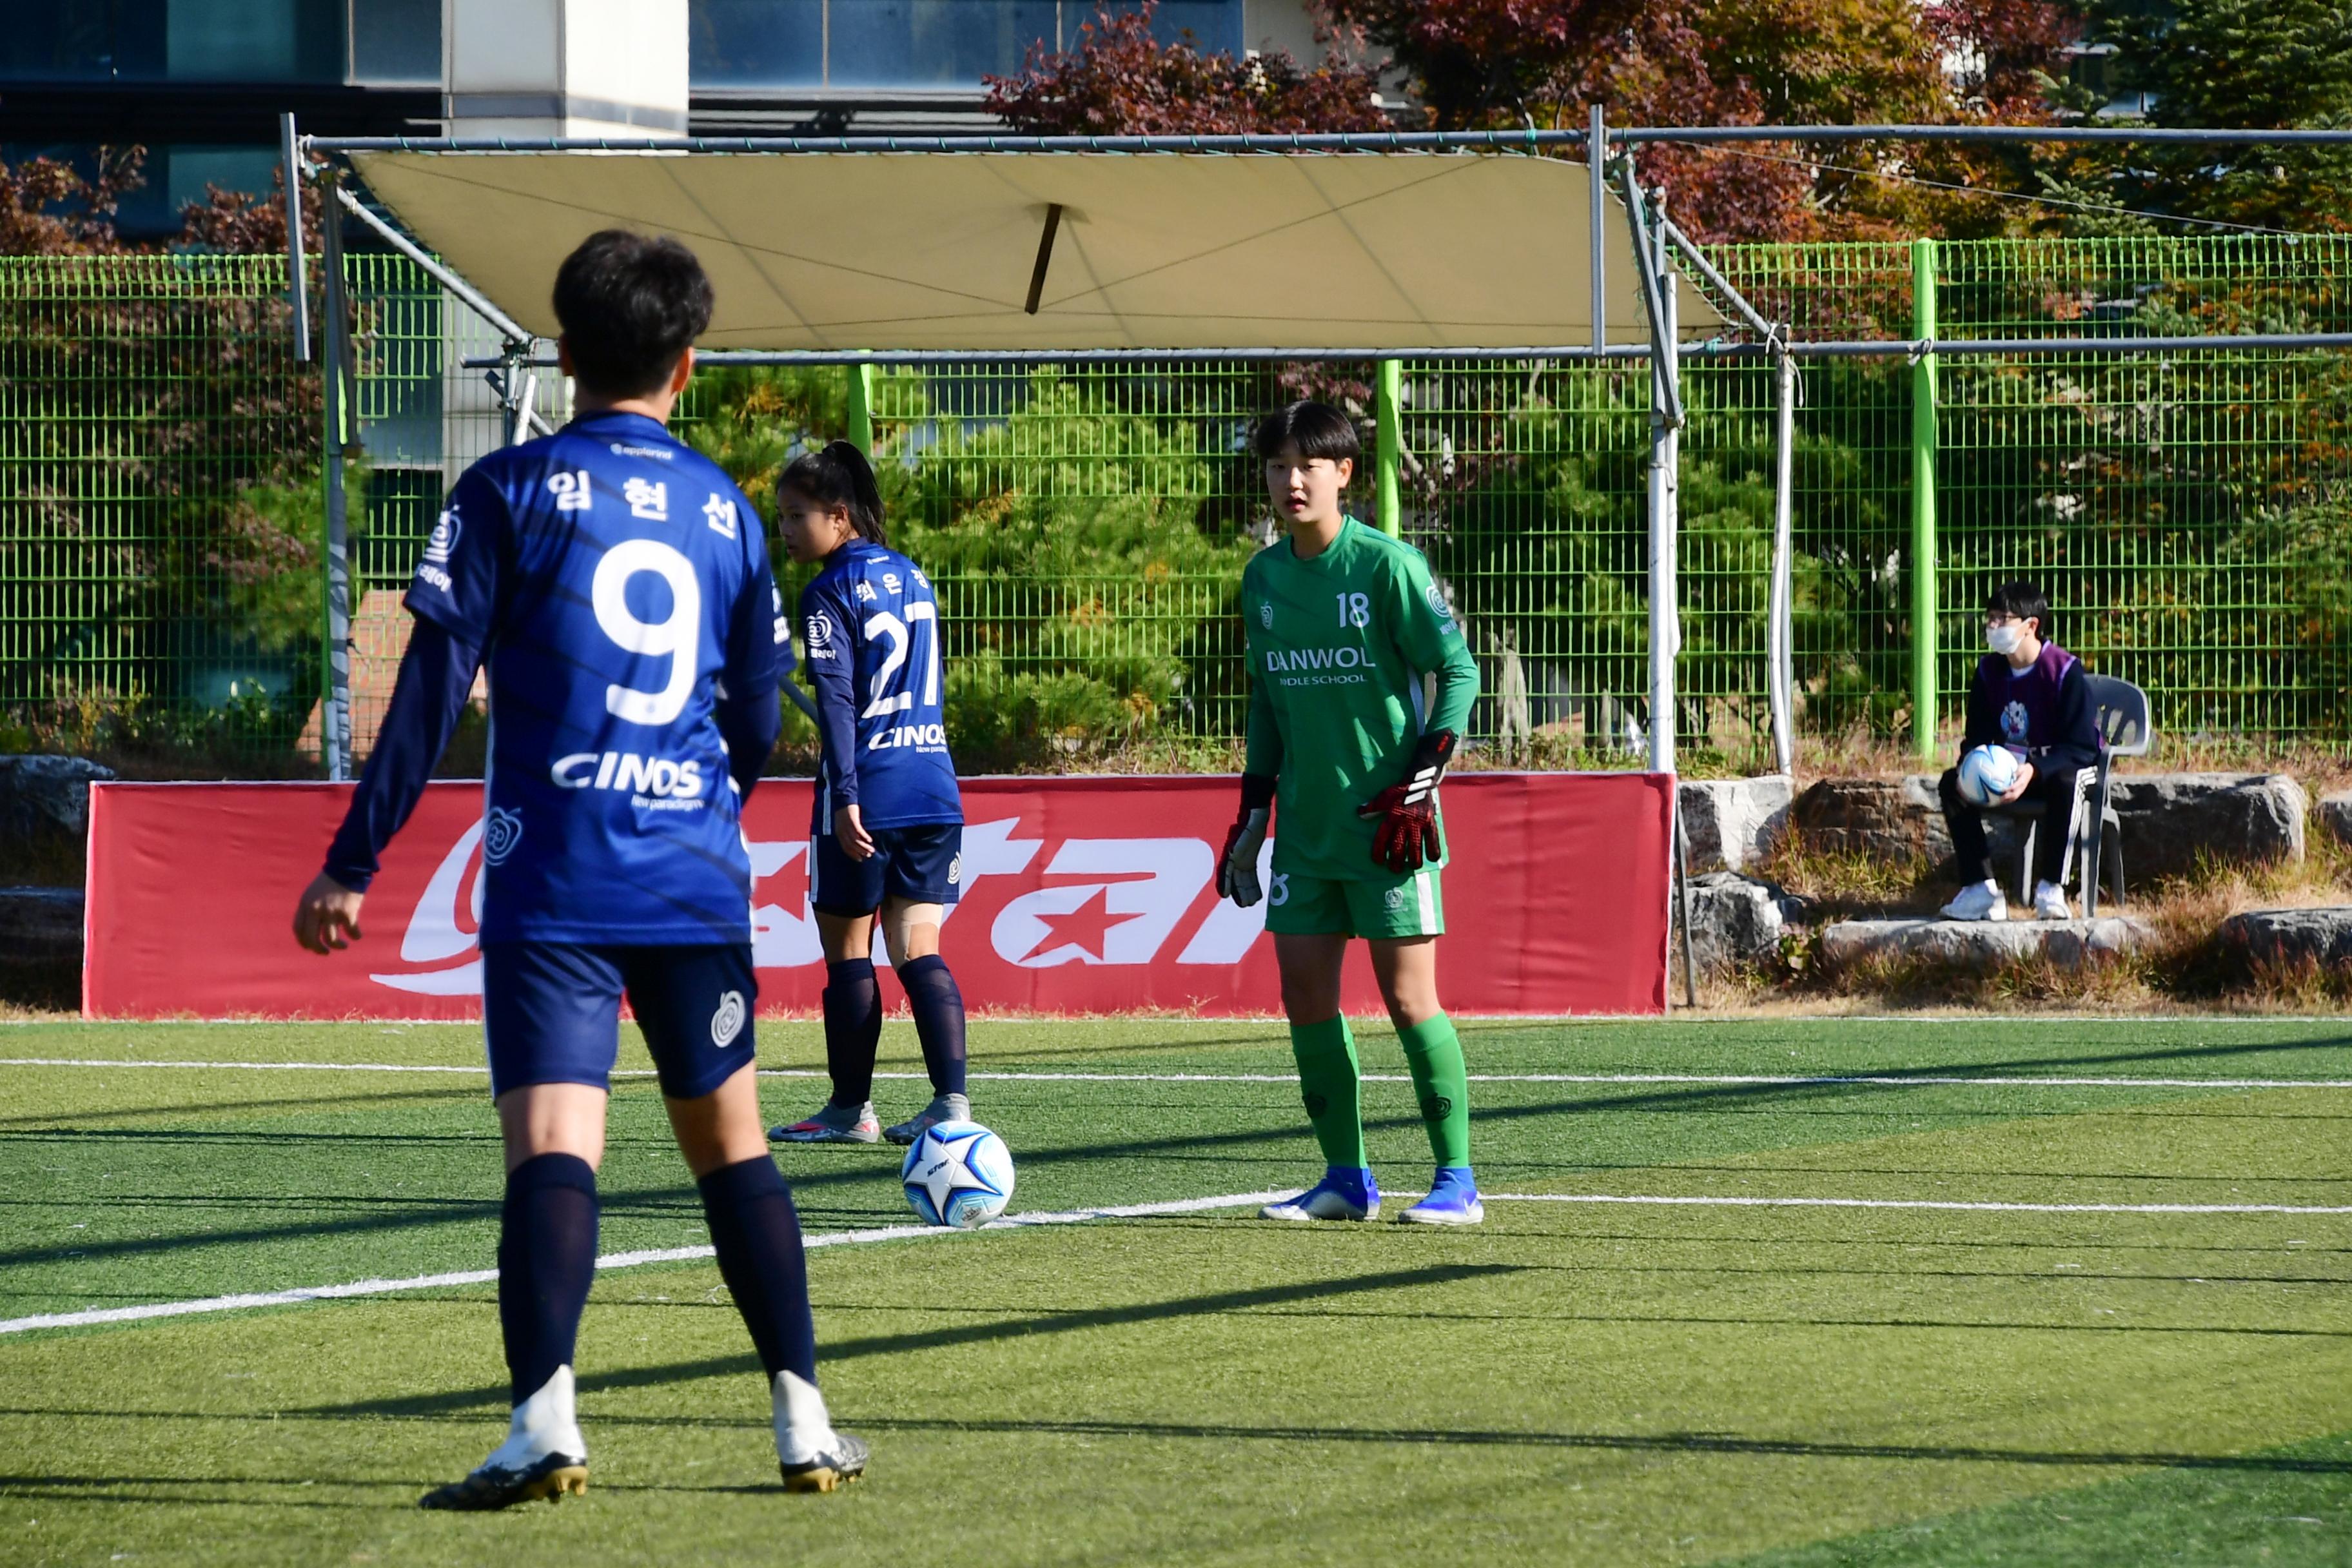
(200, 82)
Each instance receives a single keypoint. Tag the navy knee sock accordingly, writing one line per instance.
(758, 1234)
(937, 1006)
(547, 1258)
(853, 1028)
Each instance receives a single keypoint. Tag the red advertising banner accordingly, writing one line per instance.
(1081, 895)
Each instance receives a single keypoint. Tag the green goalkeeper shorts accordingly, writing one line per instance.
(1382, 906)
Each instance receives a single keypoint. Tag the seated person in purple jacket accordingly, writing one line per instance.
(2029, 696)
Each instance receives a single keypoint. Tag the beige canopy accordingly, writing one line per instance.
(942, 250)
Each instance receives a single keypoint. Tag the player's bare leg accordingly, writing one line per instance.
(1328, 1079)
(853, 1033)
(1406, 968)
(913, 930)
(757, 1233)
(554, 1135)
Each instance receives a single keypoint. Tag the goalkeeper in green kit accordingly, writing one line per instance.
(1344, 623)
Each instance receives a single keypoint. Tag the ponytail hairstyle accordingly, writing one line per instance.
(839, 476)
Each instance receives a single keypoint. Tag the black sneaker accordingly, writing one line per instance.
(494, 1486)
(837, 1466)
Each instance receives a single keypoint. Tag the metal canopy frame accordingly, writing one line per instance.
(1655, 243)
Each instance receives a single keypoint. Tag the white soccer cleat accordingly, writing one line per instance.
(834, 1124)
(2050, 902)
(545, 1456)
(812, 1456)
(1979, 902)
(942, 1107)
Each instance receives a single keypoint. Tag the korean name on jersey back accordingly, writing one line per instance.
(870, 622)
(619, 582)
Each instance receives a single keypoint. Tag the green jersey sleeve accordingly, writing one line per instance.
(1432, 641)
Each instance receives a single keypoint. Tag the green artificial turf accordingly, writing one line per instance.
(1573, 1382)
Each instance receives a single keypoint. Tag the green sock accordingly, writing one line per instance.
(1328, 1081)
(1442, 1083)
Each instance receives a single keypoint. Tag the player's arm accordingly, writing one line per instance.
(453, 598)
(1431, 640)
(759, 655)
(833, 670)
(1237, 876)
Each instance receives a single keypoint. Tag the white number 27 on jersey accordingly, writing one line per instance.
(678, 635)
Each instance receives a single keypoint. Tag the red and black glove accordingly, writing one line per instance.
(1407, 838)
(1237, 876)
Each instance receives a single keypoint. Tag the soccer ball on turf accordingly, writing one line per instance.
(1987, 773)
(957, 1174)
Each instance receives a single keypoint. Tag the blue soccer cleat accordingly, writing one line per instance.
(1453, 1200)
(1342, 1193)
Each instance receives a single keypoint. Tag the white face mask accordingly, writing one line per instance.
(2003, 639)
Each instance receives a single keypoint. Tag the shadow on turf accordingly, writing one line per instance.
(936, 1339)
(1662, 1442)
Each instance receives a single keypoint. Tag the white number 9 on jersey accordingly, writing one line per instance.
(679, 636)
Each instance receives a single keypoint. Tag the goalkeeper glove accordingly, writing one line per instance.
(1237, 867)
(1407, 836)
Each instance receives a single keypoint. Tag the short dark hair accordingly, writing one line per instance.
(2025, 601)
(630, 304)
(1317, 430)
(838, 476)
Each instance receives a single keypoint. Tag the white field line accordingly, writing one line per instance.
(613, 1260)
(98, 1315)
(1774, 1080)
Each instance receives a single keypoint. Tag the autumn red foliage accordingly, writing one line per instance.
(1121, 80)
(49, 207)
(1482, 64)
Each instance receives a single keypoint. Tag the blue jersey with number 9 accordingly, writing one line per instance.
(617, 584)
(870, 624)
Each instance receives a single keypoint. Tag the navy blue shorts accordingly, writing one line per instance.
(922, 864)
(553, 1013)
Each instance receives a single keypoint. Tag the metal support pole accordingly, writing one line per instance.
(1923, 601)
(861, 408)
(1596, 167)
(1389, 449)
(1666, 451)
(298, 286)
(1665, 621)
(1683, 903)
(335, 726)
(1780, 616)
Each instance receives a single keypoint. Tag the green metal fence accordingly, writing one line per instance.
(2190, 514)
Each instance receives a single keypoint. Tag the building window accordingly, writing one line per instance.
(175, 40)
(750, 45)
(396, 43)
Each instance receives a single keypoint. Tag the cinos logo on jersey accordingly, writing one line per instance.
(659, 782)
(921, 736)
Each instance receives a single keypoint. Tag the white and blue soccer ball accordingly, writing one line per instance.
(1987, 773)
(957, 1174)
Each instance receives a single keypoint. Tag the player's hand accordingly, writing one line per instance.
(1237, 867)
(2024, 777)
(850, 833)
(1407, 838)
(327, 918)
(1237, 863)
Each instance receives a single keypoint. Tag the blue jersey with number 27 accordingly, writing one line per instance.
(870, 624)
(618, 585)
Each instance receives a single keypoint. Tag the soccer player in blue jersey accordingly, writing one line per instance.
(618, 586)
(886, 828)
